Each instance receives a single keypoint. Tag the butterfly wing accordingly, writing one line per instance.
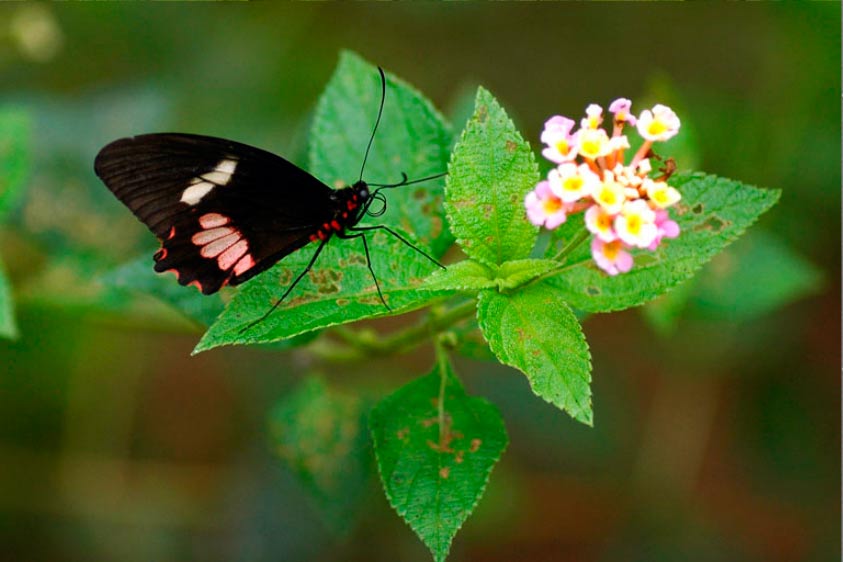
(224, 211)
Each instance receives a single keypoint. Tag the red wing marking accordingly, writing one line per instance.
(245, 264)
(219, 245)
(171, 233)
(212, 220)
(335, 225)
(232, 254)
(160, 254)
(207, 236)
(174, 272)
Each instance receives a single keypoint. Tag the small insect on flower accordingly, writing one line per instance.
(625, 208)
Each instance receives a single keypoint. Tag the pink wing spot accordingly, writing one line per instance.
(335, 225)
(245, 264)
(219, 245)
(208, 236)
(213, 220)
(231, 256)
(174, 272)
(172, 233)
(195, 283)
(160, 254)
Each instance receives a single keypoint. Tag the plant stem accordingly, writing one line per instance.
(366, 344)
(442, 360)
(573, 244)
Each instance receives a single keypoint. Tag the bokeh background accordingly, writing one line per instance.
(717, 432)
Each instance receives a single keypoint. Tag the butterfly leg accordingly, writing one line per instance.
(291, 287)
(362, 236)
(399, 237)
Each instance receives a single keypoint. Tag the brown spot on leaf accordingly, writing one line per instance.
(698, 209)
(511, 146)
(458, 458)
(343, 302)
(419, 194)
(444, 472)
(475, 445)
(402, 433)
(482, 113)
(713, 223)
(592, 291)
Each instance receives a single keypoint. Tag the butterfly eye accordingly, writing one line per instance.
(378, 211)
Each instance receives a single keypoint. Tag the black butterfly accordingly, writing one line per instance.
(225, 211)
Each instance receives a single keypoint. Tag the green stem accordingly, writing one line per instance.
(573, 244)
(442, 360)
(364, 345)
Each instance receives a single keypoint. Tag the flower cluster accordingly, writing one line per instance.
(625, 207)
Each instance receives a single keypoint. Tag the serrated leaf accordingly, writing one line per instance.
(138, 275)
(515, 273)
(463, 276)
(332, 295)
(8, 327)
(729, 287)
(491, 171)
(14, 156)
(434, 478)
(321, 435)
(538, 334)
(412, 138)
(712, 214)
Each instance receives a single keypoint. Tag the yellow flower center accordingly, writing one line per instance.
(552, 205)
(562, 147)
(590, 148)
(604, 222)
(656, 127)
(573, 183)
(607, 196)
(633, 224)
(611, 249)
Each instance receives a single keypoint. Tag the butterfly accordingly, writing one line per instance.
(225, 211)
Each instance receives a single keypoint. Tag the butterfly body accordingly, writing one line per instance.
(223, 211)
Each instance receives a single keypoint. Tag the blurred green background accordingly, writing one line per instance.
(717, 422)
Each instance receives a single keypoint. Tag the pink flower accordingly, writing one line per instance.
(621, 110)
(610, 256)
(544, 208)
(666, 228)
(660, 124)
(561, 144)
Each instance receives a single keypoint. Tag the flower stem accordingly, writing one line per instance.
(581, 237)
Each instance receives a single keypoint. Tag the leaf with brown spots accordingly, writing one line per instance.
(434, 476)
(538, 334)
(321, 435)
(713, 213)
(491, 171)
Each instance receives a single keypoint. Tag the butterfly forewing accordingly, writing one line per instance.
(224, 211)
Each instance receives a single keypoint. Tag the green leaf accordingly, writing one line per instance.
(326, 297)
(538, 334)
(321, 434)
(492, 168)
(14, 156)
(138, 275)
(712, 214)
(8, 327)
(434, 474)
(464, 276)
(515, 273)
(759, 274)
(412, 138)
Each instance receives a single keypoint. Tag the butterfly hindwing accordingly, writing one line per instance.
(224, 211)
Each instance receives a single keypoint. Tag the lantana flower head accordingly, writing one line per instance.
(626, 203)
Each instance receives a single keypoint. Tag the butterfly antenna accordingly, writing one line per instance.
(377, 122)
(404, 181)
